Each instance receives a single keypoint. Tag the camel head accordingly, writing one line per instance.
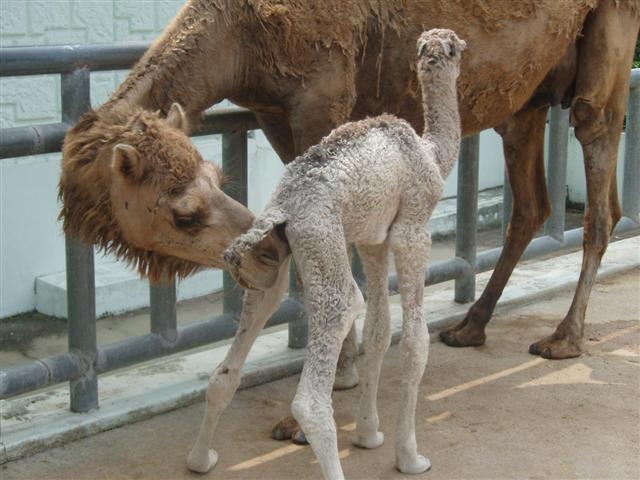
(439, 52)
(246, 258)
(137, 186)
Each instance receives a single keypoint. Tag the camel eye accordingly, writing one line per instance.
(184, 222)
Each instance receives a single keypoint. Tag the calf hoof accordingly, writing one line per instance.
(202, 463)
(288, 429)
(346, 379)
(414, 466)
(555, 347)
(463, 336)
(368, 441)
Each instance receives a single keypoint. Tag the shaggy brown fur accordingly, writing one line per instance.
(85, 189)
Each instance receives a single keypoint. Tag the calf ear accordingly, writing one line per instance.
(176, 118)
(127, 163)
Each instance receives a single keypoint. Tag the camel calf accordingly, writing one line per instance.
(372, 183)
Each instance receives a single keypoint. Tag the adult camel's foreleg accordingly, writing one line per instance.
(523, 143)
(598, 110)
(257, 309)
(276, 128)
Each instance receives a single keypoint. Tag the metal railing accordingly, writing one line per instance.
(85, 360)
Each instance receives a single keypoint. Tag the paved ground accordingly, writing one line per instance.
(488, 412)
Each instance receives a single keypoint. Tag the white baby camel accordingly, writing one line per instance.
(372, 183)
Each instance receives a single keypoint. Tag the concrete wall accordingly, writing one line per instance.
(31, 243)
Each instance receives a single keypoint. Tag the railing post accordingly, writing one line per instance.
(467, 216)
(163, 315)
(234, 164)
(298, 326)
(631, 181)
(557, 171)
(81, 303)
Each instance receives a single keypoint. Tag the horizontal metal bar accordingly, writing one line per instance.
(67, 366)
(70, 366)
(32, 140)
(38, 139)
(40, 373)
(544, 245)
(51, 59)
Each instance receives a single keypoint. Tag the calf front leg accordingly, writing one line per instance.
(257, 309)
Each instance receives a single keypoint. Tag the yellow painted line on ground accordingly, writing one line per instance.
(267, 457)
(481, 381)
(440, 416)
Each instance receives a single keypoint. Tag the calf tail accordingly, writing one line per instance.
(262, 226)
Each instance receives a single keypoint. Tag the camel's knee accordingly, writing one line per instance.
(415, 346)
(528, 216)
(222, 385)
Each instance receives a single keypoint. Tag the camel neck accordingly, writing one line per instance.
(194, 62)
(442, 121)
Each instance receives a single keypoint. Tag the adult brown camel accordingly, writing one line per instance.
(305, 67)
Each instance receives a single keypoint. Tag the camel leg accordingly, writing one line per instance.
(257, 308)
(523, 142)
(376, 340)
(277, 130)
(597, 112)
(333, 300)
(411, 244)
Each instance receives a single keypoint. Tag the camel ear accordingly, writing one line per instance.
(422, 43)
(176, 118)
(127, 162)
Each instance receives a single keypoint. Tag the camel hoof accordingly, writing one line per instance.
(554, 348)
(346, 380)
(288, 429)
(299, 438)
(196, 463)
(463, 337)
(419, 464)
(369, 442)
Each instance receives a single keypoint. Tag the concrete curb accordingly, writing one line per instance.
(37, 422)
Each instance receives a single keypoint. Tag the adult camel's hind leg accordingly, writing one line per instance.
(598, 109)
(523, 143)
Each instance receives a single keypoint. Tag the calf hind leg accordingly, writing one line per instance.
(376, 340)
(333, 300)
(410, 246)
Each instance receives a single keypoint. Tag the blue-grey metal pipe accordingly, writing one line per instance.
(631, 180)
(40, 373)
(81, 303)
(467, 216)
(32, 140)
(163, 316)
(51, 59)
(557, 170)
(48, 138)
(235, 167)
(298, 324)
